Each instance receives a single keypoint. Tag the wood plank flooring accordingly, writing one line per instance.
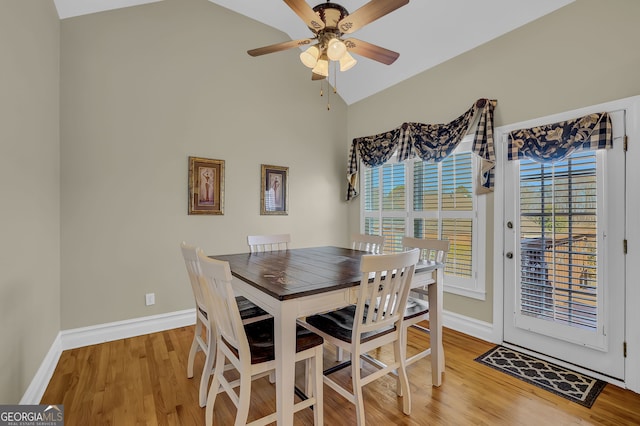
(142, 381)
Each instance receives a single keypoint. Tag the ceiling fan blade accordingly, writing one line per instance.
(306, 13)
(371, 11)
(315, 76)
(371, 51)
(279, 46)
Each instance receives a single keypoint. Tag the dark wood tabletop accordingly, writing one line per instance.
(288, 274)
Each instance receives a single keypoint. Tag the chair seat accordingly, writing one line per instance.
(248, 309)
(339, 324)
(415, 308)
(261, 342)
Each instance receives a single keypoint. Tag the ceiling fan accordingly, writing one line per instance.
(329, 22)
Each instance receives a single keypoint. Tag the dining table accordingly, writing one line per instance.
(295, 283)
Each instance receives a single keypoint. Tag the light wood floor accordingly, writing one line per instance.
(142, 381)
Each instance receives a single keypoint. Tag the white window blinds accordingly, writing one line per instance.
(558, 240)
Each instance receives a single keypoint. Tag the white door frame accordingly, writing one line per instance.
(632, 332)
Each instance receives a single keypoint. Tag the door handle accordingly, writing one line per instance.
(509, 255)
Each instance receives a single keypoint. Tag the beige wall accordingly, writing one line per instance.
(142, 89)
(583, 54)
(30, 191)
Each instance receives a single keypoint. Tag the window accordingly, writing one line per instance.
(558, 240)
(431, 200)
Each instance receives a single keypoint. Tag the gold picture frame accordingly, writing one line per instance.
(274, 190)
(206, 186)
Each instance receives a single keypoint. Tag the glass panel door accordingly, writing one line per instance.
(564, 260)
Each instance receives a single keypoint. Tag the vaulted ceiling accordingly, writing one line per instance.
(424, 32)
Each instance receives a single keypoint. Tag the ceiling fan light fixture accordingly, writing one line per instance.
(347, 62)
(336, 49)
(329, 22)
(310, 56)
(322, 67)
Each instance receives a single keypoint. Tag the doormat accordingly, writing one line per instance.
(573, 386)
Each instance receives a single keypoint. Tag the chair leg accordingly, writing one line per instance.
(244, 398)
(208, 367)
(402, 376)
(215, 387)
(309, 377)
(403, 355)
(317, 368)
(194, 348)
(357, 392)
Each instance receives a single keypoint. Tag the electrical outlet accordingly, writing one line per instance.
(150, 299)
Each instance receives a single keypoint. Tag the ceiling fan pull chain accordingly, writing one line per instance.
(328, 94)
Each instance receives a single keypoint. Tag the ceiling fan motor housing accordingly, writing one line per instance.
(331, 14)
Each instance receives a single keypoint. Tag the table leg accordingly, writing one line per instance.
(436, 295)
(285, 346)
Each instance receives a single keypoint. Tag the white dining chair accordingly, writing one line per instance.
(369, 243)
(365, 242)
(261, 243)
(417, 309)
(249, 348)
(360, 329)
(203, 336)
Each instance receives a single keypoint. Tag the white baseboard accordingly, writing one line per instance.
(469, 326)
(38, 385)
(101, 333)
(77, 337)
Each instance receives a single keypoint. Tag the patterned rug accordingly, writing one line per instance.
(573, 386)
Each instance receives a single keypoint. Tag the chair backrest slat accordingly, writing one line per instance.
(190, 255)
(433, 250)
(216, 286)
(262, 243)
(384, 288)
(365, 242)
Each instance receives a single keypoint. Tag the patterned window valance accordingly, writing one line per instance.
(483, 147)
(373, 151)
(430, 142)
(554, 142)
(435, 142)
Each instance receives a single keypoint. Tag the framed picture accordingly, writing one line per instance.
(274, 190)
(206, 186)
